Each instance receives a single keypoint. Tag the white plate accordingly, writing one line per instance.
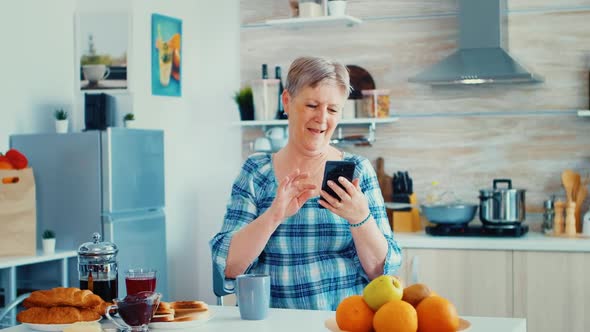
(49, 327)
(180, 325)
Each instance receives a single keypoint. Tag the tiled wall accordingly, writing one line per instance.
(461, 136)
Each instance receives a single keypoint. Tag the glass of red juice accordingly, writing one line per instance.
(140, 280)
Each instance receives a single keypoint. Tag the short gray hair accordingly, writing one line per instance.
(311, 71)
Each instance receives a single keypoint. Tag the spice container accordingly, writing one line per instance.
(310, 8)
(548, 217)
(375, 104)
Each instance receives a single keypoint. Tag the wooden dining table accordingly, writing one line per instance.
(227, 318)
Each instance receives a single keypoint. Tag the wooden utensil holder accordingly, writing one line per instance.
(407, 220)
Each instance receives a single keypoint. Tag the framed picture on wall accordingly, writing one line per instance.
(166, 52)
(102, 40)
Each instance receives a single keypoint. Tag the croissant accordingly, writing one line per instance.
(56, 315)
(61, 296)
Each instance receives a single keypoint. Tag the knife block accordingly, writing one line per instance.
(408, 219)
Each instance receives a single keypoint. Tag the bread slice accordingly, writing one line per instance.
(192, 316)
(162, 318)
(188, 305)
(165, 312)
(164, 305)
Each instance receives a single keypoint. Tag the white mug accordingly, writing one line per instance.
(262, 144)
(337, 7)
(275, 133)
(95, 73)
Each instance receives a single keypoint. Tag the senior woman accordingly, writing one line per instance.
(274, 223)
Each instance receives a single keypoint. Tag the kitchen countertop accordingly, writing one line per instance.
(532, 241)
(228, 319)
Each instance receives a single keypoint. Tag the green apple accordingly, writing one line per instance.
(382, 290)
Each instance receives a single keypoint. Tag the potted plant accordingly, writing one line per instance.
(129, 120)
(336, 7)
(48, 242)
(245, 101)
(61, 121)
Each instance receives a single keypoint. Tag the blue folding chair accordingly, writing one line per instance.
(221, 286)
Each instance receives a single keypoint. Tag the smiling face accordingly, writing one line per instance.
(313, 115)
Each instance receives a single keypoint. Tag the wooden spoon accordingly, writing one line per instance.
(580, 198)
(576, 187)
(568, 179)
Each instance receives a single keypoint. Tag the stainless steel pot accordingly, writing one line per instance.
(502, 206)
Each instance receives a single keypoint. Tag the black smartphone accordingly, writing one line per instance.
(333, 170)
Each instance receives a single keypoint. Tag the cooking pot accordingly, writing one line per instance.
(502, 206)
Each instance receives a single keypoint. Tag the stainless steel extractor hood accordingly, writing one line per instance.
(481, 57)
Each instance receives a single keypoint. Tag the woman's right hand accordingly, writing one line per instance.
(291, 195)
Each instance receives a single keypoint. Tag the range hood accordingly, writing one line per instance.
(481, 57)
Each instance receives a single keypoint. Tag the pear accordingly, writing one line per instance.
(382, 290)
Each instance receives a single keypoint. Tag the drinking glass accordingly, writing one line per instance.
(140, 280)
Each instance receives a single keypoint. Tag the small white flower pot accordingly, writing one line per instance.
(337, 7)
(130, 124)
(61, 126)
(48, 246)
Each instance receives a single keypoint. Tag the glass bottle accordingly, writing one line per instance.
(264, 71)
(280, 108)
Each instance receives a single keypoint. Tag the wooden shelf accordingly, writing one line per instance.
(360, 121)
(300, 22)
(584, 113)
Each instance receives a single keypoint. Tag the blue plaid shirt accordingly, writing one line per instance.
(311, 256)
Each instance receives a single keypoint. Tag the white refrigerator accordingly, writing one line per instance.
(111, 182)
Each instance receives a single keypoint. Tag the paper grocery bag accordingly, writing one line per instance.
(18, 213)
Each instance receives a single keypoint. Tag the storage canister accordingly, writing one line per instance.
(375, 104)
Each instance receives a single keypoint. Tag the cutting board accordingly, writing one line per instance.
(384, 180)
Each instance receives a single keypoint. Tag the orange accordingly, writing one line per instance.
(354, 315)
(437, 314)
(5, 164)
(396, 316)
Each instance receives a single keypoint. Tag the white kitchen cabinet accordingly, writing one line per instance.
(478, 282)
(552, 290)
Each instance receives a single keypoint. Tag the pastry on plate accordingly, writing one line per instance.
(57, 315)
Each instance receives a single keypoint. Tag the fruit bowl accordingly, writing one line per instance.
(331, 325)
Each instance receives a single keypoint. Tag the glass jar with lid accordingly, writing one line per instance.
(97, 268)
(310, 8)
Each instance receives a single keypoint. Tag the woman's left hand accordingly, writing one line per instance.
(353, 205)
